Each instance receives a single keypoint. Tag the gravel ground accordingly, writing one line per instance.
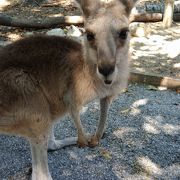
(141, 142)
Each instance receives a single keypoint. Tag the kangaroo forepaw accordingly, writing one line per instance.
(82, 144)
(83, 141)
(94, 141)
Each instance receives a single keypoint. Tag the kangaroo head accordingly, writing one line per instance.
(107, 35)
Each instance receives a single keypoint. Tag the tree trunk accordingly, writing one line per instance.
(168, 13)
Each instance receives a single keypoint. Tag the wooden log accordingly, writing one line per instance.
(155, 80)
(6, 20)
(176, 17)
(153, 7)
(146, 17)
(151, 17)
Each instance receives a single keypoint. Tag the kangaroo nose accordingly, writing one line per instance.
(106, 70)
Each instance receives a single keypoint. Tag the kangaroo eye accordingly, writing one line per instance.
(90, 36)
(123, 34)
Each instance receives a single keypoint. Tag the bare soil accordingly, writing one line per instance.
(158, 52)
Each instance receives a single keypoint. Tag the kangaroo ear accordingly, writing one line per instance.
(88, 7)
(129, 4)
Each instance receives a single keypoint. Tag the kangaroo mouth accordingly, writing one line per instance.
(107, 82)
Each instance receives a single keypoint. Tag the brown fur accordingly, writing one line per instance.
(42, 78)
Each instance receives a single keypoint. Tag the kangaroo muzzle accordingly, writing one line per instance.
(106, 70)
(106, 73)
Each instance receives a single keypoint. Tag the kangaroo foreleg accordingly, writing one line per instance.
(104, 107)
(82, 137)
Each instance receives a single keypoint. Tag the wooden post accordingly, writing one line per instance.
(168, 13)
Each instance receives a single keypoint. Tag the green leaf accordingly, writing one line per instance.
(125, 111)
(106, 154)
(153, 88)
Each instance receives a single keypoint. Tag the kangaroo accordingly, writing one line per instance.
(42, 78)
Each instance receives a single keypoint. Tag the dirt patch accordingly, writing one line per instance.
(61, 7)
(158, 52)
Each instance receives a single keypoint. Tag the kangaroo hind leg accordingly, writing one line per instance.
(54, 144)
(40, 159)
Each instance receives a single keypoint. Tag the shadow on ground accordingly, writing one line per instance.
(158, 52)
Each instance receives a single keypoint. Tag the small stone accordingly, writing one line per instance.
(56, 32)
(27, 34)
(4, 43)
(4, 4)
(74, 31)
(138, 29)
(78, 39)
